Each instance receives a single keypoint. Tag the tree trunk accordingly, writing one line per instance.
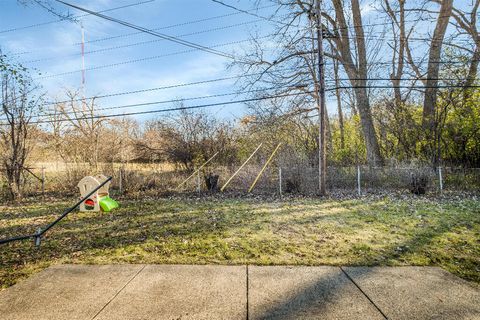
(431, 90)
(357, 73)
(468, 22)
(13, 175)
(472, 73)
(374, 157)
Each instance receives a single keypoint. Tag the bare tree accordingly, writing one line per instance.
(82, 121)
(185, 139)
(16, 112)
(294, 60)
(48, 6)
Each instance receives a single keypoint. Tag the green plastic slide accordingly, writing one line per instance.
(107, 204)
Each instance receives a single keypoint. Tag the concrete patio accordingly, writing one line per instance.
(240, 292)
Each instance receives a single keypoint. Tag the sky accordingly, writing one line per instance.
(119, 59)
(130, 62)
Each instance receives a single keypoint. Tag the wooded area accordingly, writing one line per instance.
(402, 95)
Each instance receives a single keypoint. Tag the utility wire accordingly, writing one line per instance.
(154, 33)
(173, 86)
(335, 29)
(172, 109)
(126, 35)
(73, 17)
(196, 33)
(169, 26)
(215, 104)
(249, 12)
(228, 102)
(121, 63)
(353, 37)
(217, 17)
(144, 42)
(402, 87)
(187, 84)
(371, 36)
(168, 101)
(252, 91)
(389, 79)
(423, 19)
(136, 60)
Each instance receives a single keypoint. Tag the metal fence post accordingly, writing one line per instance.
(440, 179)
(198, 182)
(43, 182)
(38, 237)
(120, 181)
(359, 189)
(280, 180)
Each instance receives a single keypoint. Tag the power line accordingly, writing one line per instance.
(73, 17)
(172, 109)
(181, 52)
(248, 12)
(228, 102)
(173, 86)
(170, 26)
(215, 46)
(370, 36)
(404, 87)
(170, 101)
(422, 19)
(212, 18)
(145, 42)
(347, 27)
(125, 35)
(136, 60)
(389, 79)
(419, 62)
(154, 33)
(335, 29)
(215, 104)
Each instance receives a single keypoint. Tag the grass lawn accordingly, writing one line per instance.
(367, 231)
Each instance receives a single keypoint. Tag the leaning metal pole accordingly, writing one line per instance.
(38, 235)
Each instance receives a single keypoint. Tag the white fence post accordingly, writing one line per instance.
(440, 179)
(280, 180)
(359, 189)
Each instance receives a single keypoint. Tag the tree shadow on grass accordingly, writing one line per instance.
(312, 298)
(85, 234)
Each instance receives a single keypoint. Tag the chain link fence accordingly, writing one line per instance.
(157, 179)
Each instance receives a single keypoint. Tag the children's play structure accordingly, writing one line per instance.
(99, 200)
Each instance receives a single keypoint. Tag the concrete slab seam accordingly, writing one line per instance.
(118, 292)
(364, 293)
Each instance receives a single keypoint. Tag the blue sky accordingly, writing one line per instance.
(131, 62)
(56, 46)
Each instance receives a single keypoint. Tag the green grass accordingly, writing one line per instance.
(366, 231)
